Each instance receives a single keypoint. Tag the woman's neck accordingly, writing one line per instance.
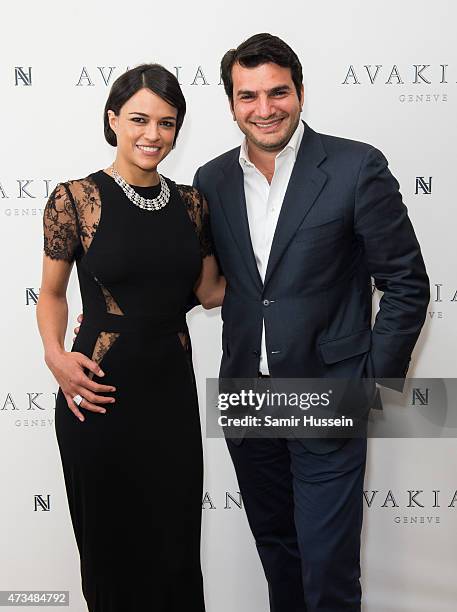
(135, 175)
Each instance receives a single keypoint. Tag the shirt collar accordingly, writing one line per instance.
(293, 145)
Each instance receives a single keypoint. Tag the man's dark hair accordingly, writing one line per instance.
(261, 49)
(152, 76)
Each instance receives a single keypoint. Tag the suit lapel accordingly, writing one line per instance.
(231, 193)
(305, 184)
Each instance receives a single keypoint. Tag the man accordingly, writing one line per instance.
(301, 222)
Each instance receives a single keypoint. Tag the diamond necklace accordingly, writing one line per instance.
(145, 203)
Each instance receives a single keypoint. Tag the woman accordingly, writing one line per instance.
(132, 459)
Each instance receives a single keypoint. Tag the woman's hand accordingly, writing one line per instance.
(68, 370)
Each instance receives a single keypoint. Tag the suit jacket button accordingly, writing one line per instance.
(266, 302)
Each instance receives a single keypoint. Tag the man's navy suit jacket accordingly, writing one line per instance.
(342, 222)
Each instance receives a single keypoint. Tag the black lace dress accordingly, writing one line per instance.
(134, 475)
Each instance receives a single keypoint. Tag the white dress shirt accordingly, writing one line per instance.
(263, 203)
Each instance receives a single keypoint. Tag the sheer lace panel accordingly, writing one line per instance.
(104, 342)
(111, 305)
(60, 226)
(197, 209)
(87, 202)
(184, 338)
(71, 218)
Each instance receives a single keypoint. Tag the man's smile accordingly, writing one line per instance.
(271, 124)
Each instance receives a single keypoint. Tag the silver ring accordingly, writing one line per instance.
(78, 399)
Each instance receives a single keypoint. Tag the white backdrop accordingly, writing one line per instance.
(56, 64)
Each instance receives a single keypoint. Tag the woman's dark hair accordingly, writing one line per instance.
(152, 76)
(257, 50)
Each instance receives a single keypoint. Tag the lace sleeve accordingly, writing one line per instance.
(197, 209)
(60, 225)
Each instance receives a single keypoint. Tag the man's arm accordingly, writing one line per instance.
(393, 258)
